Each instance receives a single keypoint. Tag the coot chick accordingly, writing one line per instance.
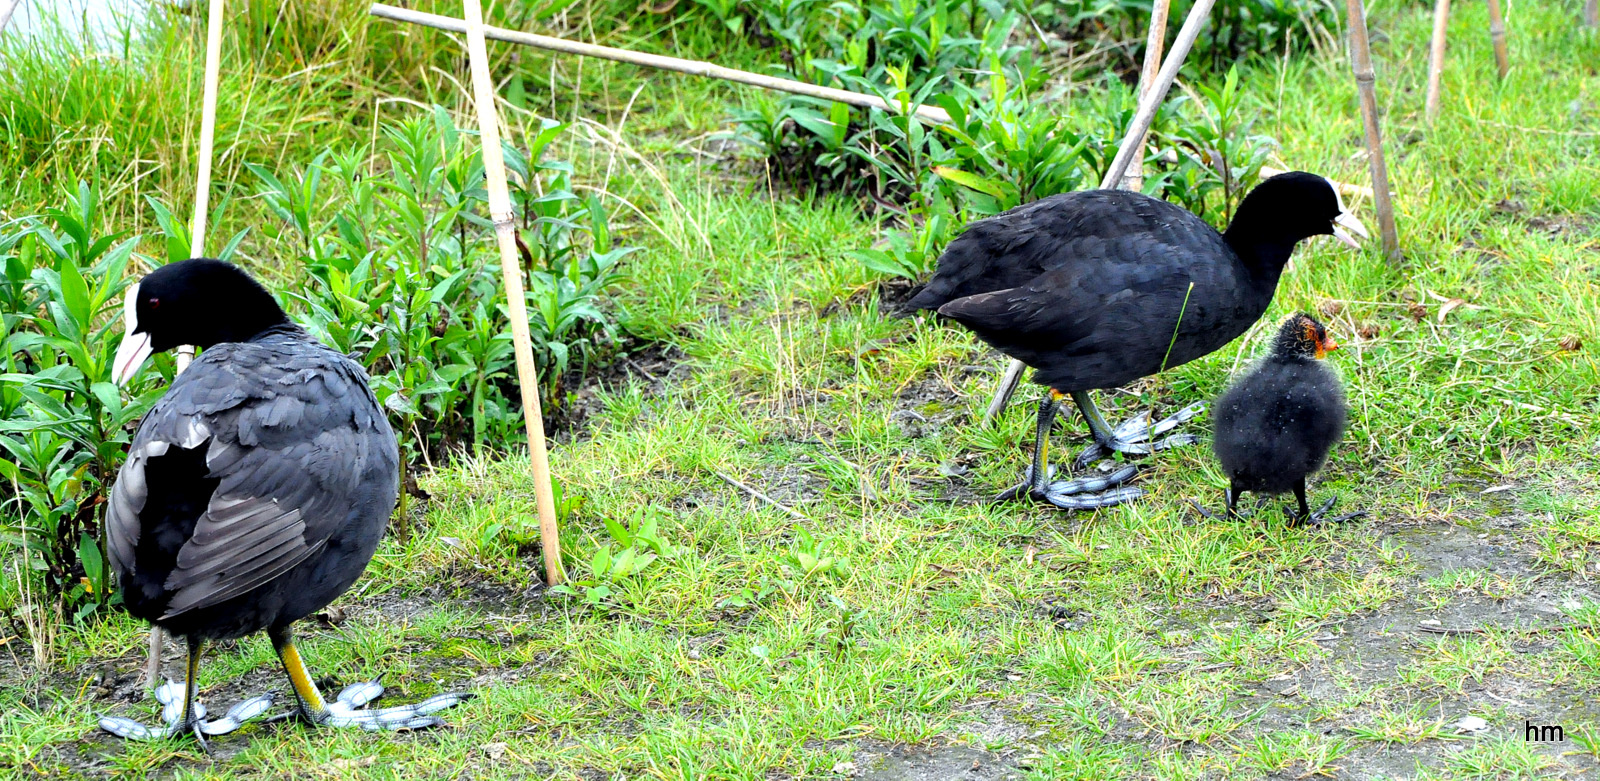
(255, 491)
(1096, 289)
(1276, 425)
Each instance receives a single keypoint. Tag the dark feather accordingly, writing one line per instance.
(264, 458)
(1276, 425)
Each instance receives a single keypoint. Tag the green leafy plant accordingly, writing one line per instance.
(402, 274)
(633, 548)
(812, 560)
(63, 423)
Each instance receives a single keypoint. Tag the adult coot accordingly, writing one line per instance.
(1276, 425)
(1096, 289)
(254, 493)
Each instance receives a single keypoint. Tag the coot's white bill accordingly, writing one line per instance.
(135, 347)
(1344, 226)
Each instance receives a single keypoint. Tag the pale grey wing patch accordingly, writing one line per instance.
(190, 432)
(122, 522)
(128, 496)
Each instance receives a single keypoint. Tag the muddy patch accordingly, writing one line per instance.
(922, 763)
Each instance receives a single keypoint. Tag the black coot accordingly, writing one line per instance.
(1096, 289)
(1276, 425)
(255, 491)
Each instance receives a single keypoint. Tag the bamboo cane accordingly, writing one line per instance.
(1441, 20)
(505, 227)
(197, 229)
(1155, 39)
(1149, 104)
(1591, 13)
(1497, 36)
(662, 62)
(7, 7)
(1131, 143)
(1361, 55)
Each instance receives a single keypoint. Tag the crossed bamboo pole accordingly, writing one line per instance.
(1155, 39)
(1154, 87)
(658, 61)
(1132, 146)
(7, 7)
(1361, 58)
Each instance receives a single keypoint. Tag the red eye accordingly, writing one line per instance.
(155, 303)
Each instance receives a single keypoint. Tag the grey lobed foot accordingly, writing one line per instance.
(1083, 493)
(1317, 518)
(1137, 437)
(170, 695)
(347, 710)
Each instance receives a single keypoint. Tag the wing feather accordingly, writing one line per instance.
(290, 431)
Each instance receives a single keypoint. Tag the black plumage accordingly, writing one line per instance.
(1096, 289)
(1277, 423)
(257, 489)
(268, 473)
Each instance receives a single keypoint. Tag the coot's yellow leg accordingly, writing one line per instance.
(347, 709)
(312, 707)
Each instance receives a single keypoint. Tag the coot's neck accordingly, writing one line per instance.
(1262, 252)
(1259, 234)
(245, 315)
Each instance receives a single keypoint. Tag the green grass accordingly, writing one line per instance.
(1137, 642)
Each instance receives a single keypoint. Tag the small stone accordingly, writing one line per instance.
(1471, 724)
(845, 768)
(352, 763)
(494, 750)
(1431, 622)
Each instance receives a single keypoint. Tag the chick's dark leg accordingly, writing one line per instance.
(1134, 436)
(347, 709)
(1308, 518)
(182, 711)
(1085, 493)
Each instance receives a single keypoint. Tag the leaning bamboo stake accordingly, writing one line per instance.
(7, 7)
(1497, 36)
(505, 227)
(1150, 104)
(662, 62)
(1155, 39)
(1441, 21)
(1131, 143)
(1361, 56)
(197, 230)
